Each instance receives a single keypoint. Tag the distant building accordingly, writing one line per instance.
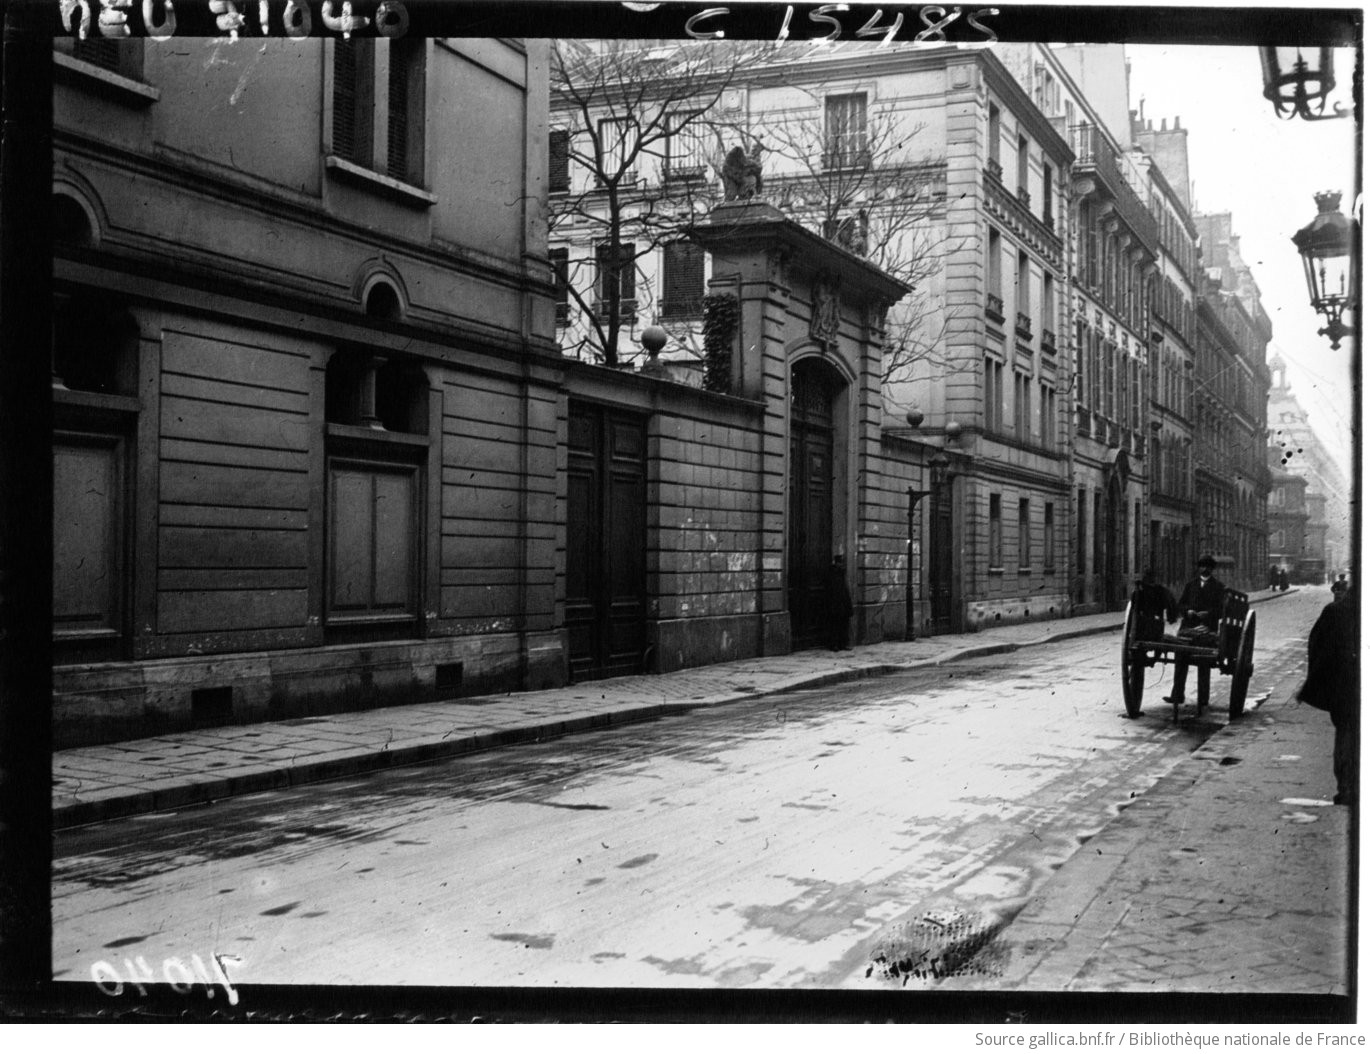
(1296, 452)
(1231, 389)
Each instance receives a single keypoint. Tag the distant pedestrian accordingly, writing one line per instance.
(1274, 576)
(1284, 579)
(839, 606)
(1340, 587)
(1333, 685)
(1201, 606)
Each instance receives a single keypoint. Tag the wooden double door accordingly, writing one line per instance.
(606, 540)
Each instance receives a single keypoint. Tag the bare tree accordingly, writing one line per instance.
(639, 122)
(857, 179)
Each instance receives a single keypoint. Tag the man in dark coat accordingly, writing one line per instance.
(1201, 606)
(1333, 685)
(839, 605)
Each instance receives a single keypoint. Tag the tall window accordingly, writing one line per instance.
(561, 279)
(1022, 165)
(845, 130)
(994, 263)
(994, 395)
(1049, 537)
(682, 280)
(377, 413)
(1022, 405)
(1021, 296)
(94, 449)
(620, 273)
(687, 151)
(616, 137)
(1048, 208)
(559, 160)
(1046, 428)
(995, 134)
(1081, 529)
(358, 66)
(996, 532)
(1024, 534)
(1048, 303)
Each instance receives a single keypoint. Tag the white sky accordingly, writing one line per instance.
(1265, 171)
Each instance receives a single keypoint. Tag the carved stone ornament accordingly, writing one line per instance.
(824, 321)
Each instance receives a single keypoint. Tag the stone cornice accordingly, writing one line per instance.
(741, 225)
(1014, 216)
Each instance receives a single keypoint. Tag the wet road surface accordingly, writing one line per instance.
(775, 844)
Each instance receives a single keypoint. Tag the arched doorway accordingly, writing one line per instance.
(1115, 530)
(814, 500)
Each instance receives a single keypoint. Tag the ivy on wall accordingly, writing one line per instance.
(721, 315)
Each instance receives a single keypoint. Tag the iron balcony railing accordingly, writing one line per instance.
(1095, 156)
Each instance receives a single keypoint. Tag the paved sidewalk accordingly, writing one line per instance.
(1230, 875)
(188, 768)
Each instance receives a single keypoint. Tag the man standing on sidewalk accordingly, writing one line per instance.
(1201, 605)
(1333, 685)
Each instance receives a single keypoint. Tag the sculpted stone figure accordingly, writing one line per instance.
(742, 174)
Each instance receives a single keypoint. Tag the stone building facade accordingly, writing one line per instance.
(307, 398)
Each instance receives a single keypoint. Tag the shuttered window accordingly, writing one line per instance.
(353, 99)
(559, 160)
(624, 273)
(357, 65)
(682, 292)
(404, 147)
(124, 57)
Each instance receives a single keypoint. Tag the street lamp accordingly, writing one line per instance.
(1329, 265)
(1299, 79)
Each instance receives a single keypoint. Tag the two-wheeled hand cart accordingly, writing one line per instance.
(1230, 651)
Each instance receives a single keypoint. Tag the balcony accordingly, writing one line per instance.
(994, 307)
(995, 170)
(686, 173)
(1096, 159)
(1023, 326)
(1049, 341)
(1025, 196)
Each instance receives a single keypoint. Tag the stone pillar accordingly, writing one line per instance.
(803, 297)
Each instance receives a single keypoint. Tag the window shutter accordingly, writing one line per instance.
(559, 159)
(397, 145)
(352, 66)
(98, 51)
(683, 279)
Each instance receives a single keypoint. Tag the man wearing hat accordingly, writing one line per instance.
(1201, 606)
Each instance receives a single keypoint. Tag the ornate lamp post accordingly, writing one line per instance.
(1329, 265)
(1298, 81)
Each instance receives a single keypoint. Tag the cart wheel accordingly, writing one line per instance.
(1241, 673)
(1133, 665)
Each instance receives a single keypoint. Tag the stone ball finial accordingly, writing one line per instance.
(953, 430)
(653, 339)
(914, 417)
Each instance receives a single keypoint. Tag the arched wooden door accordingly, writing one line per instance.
(813, 389)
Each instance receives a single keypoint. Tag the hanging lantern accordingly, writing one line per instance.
(1298, 81)
(1329, 264)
